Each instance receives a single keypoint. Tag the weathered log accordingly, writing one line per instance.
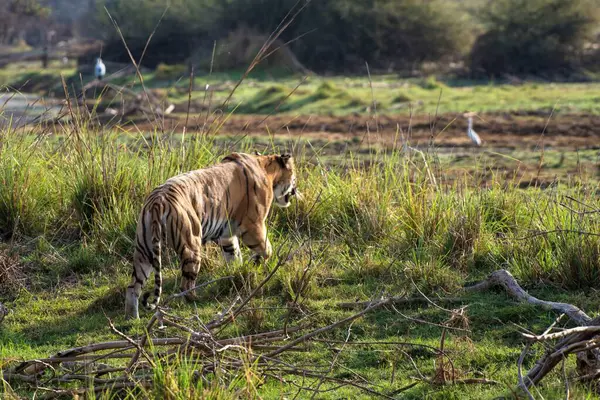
(505, 279)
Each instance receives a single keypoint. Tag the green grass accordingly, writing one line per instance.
(263, 91)
(377, 219)
(69, 203)
(29, 77)
(403, 96)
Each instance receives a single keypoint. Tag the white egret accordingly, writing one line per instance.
(100, 69)
(472, 134)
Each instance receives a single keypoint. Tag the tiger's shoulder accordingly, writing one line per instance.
(240, 157)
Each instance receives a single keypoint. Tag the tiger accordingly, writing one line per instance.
(219, 204)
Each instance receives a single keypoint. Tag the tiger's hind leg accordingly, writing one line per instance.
(190, 266)
(141, 271)
(231, 249)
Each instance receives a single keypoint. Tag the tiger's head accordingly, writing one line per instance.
(281, 171)
(284, 182)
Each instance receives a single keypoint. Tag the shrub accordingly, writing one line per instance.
(414, 31)
(401, 98)
(164, 71)
(239, 48)
(532, 36)
(431, 83)
(266, 100)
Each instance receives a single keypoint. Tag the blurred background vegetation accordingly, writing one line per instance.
(554, 39)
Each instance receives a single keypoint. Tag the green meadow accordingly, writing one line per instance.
(389, 222)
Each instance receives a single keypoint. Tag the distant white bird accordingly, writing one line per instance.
(100, 69)
(472, 134)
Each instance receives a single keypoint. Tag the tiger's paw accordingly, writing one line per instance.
(191, 296)
(256, 259)
(132, 314)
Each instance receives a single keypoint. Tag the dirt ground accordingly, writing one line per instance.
(506, 130)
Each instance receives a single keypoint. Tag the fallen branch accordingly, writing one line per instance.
(508, 282)
(581, 340)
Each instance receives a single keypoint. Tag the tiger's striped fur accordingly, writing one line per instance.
(219, 204)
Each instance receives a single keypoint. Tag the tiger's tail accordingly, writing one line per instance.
(156, 229)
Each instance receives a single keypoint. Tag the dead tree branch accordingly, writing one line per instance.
(505, 279)
(581, 340)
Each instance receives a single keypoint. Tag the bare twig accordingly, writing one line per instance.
(522, 383)
(562, 334)
(142, 343)
(328, 328)
(553, 324)
(133, 343)
(579, 212)
(544, 233)
(337, 354)
(401, 300)
(421, 321)
(181, 294)
(564, 370)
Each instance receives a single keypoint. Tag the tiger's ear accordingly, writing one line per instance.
(257, 153)
(285, 160)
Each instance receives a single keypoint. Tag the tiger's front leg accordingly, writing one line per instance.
(255, 238)
(231, 249)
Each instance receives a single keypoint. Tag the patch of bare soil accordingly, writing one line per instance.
(506, 130)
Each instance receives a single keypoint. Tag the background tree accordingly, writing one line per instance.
(342, 35)
(185, 25)
(533, 36)
(18, 16)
